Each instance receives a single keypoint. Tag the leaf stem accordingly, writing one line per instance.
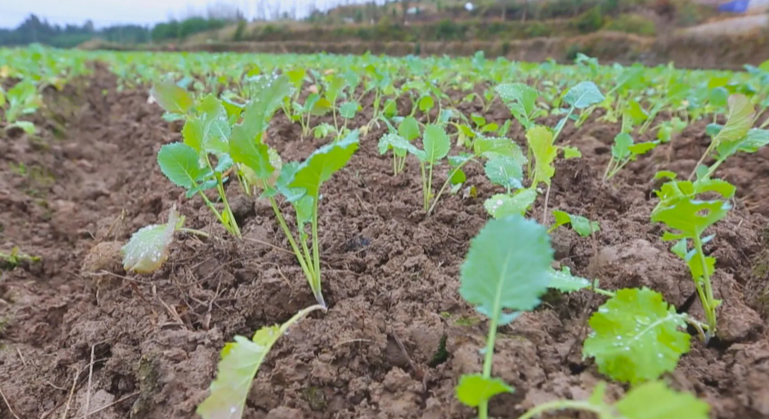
(425, 197)
(547, 198)
(446, 184)
(429, 187)
(702, 159)
(233, 225)
(282, 221)
(316, 249)
(709, 304)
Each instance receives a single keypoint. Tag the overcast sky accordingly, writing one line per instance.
(143, 12)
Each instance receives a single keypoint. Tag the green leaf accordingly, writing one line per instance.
(541, 144)
(287, 172)
(654, 400)
(172, 98)
(636, 336)
(322, 163)
(570, 152)
(584, 94)
(180, 163)
(426, 103)
(565, 282)
(409, 128)
(148, 248)
(493, 147)
(348, 109)
(398, 144)
(501, 205)
(621, 147)
(504, 171)
(436, 143)
(458, 177)
(237, 368)
(581, 225)
(254, 155)
(521, 99)
(642, 148)
(474, 389)
(739, 120)
(691, 217)
(507, 266)
(215, 126)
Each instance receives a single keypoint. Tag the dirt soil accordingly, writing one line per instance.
(81, 336)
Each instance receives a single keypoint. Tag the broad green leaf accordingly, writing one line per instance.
(215, 126)
(642, 148)
(584, 94)
(180, 163)
(541, 144)
(409, 128)
(474, 389)
(621, 147)
(426, 103)
(635, 336)
(478, 120)
(254, 155)
(751, 143)
(580, 224)
(348, 109)
(287, 172)
(565, 282)
(691, 217)
(148, 248)
(739, 120)
(570, 152)
(718, 96)
(238, 367)
(458, 177)
(398, 144)
(322, 163)
(507, 266)
(521, 99)
(321, 107)
(303, 208)
(654, 400)
(504, 171)
(436, 143)
(493, 147)
(172, 98)
(635, 112)
(501, 205)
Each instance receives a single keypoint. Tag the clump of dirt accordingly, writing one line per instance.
(397, 335)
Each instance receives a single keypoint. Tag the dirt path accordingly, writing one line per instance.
(397, 336)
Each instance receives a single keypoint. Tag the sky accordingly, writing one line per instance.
(143, 12)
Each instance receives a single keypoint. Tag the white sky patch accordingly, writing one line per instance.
(143, 12)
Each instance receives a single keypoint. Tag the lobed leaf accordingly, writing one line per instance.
(504, 171)
(635, 336)
(541, 144)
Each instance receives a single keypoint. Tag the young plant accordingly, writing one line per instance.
(399, 141)
(623, 152)
(684, 211)
(506, 268)
(300, 185)
(21, 99)
(580, 224)
(238, 366)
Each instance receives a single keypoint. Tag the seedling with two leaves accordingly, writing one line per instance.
(623, 152)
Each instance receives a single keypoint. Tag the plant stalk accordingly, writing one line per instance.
(709, 304)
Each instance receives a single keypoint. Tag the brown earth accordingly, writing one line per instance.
(81, 336)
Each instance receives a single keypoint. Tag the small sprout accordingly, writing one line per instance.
(624, 151)
(16, 258)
